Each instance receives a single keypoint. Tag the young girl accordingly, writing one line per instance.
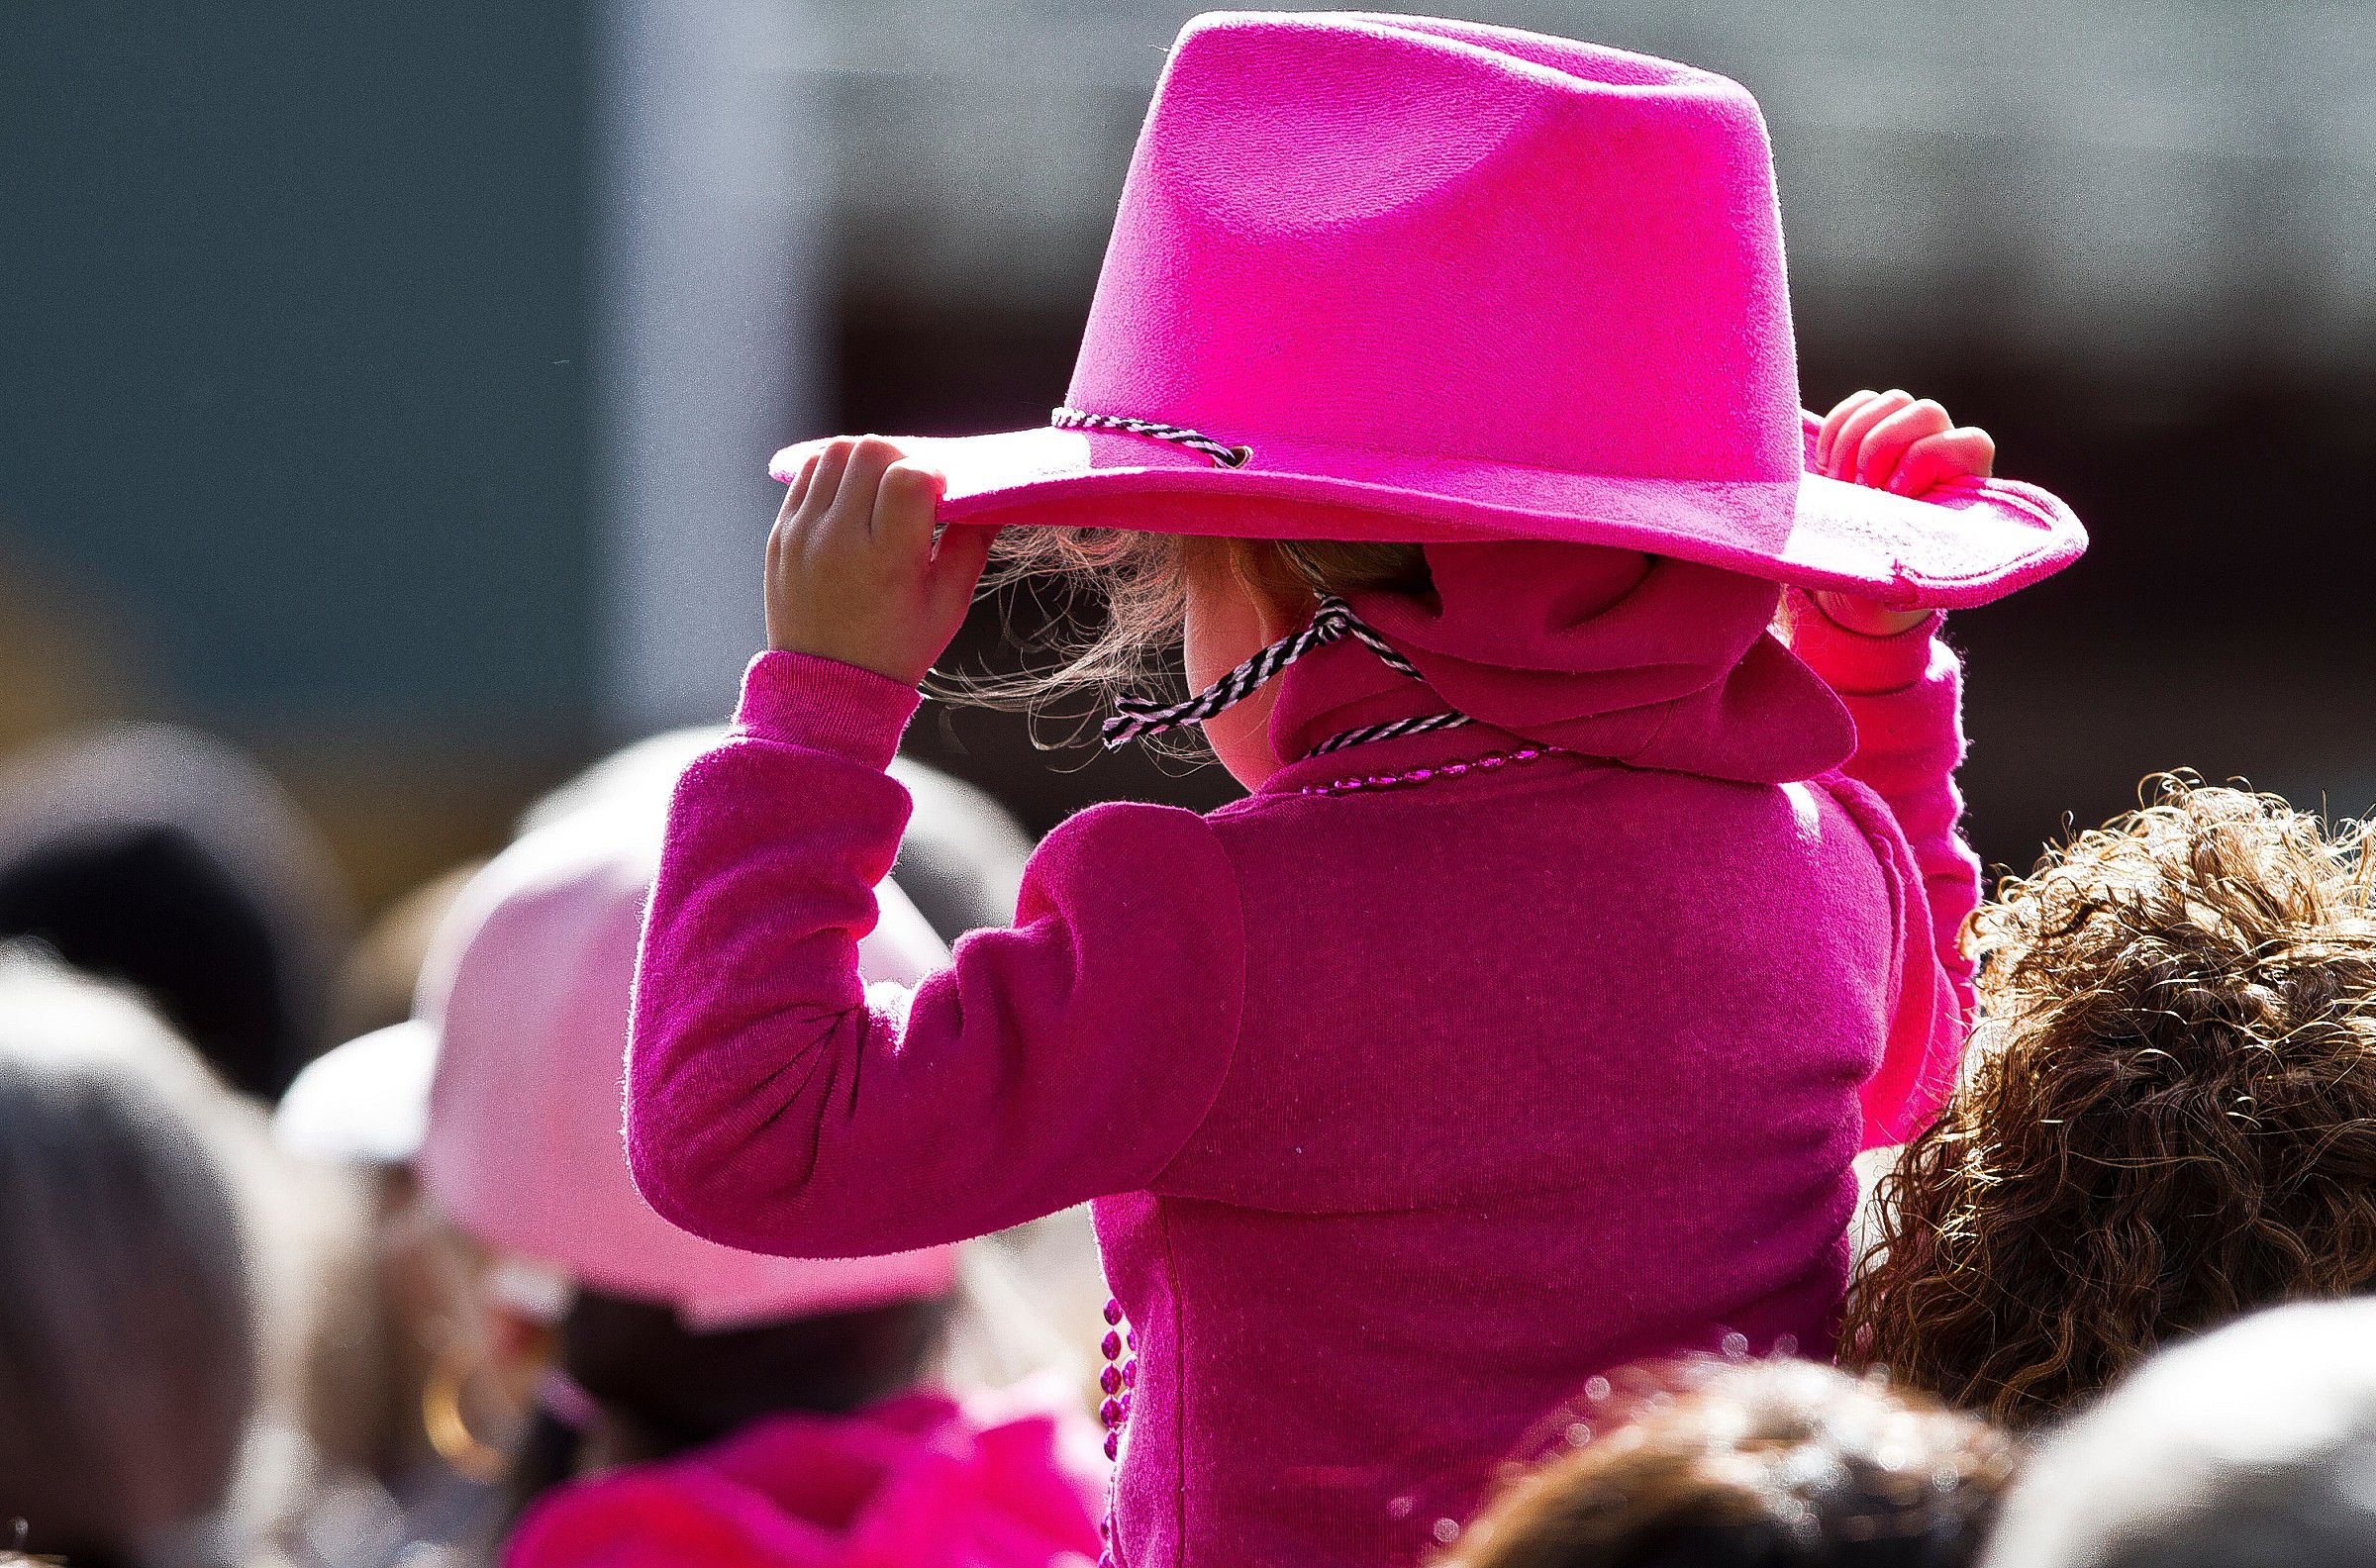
(1526, 1018)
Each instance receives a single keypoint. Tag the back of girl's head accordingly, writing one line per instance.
(2169, 1118)
(1116, 598)
(129, 1347)
(1750, 1464)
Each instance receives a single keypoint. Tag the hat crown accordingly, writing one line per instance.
(1402, 235)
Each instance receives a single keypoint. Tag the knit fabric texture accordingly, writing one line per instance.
(1402, 1112)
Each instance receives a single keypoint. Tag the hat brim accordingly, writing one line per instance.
(1961, 545)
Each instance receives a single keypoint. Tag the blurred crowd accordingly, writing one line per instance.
(397, 1301)
(370, 1303)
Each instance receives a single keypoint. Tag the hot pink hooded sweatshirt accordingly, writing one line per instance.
(1404, 1110)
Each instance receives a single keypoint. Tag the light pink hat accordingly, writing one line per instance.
(526, 993)
(1387, 277)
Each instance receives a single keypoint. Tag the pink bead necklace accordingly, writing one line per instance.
(1410, 777)
(1116, 1380)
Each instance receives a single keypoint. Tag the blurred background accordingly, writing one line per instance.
(387, 388)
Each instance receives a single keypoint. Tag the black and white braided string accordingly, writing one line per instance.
(1222, 452)
(1332, 623)
(1391, 729)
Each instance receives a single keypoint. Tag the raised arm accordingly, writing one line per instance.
(773, 1105)
(1906, 694)
(1901, 787)
(1903, 686)
(1899, 680)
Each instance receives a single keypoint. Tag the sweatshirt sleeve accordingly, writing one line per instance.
(1905, 693)
(773, 1106)
(1925, 1025)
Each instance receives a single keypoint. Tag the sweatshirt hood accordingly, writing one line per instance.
(1610, 653)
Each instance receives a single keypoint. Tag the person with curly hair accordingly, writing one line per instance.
(1781, 1464)
(2168, 1117)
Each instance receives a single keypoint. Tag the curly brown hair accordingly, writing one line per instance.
(2169, 1118)
(1709, 1463)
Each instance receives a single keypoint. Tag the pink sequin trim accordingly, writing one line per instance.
(1410, 777)
(1119, 1379)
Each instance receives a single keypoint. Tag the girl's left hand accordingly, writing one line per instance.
(1891, 440)
(853, 570)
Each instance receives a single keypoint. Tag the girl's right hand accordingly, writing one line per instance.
(854, 571)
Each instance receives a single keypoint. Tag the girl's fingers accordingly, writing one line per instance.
(1921, 469)
(1886, 443)
(1841, 462)
(826, 482)
(903, 505)
(871, 458)
(1973, 449)
(787, 516)
(1830, 434)
(798, 490)
(1964, 453)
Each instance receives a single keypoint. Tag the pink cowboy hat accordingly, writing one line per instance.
(1387, 277)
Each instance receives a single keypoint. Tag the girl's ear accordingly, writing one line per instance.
(1282, 600)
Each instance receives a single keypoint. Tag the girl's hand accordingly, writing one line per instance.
(1890, 441)
(853, 571)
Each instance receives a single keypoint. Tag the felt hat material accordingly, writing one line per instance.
(1444, 282)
